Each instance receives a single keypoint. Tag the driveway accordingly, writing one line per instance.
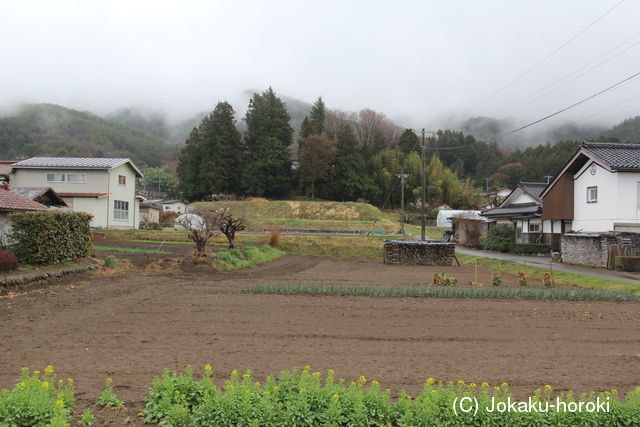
(543, 262)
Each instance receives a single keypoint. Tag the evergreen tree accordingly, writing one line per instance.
(350, 181)
(210, 161)
(268, 168)
(316, 155)
(317, 116)
(189, 166)
(306, 129)
(409, 142)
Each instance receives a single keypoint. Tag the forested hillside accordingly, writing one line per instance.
(627, 131)
(52, 130)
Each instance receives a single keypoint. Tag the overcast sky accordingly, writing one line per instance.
(419, 62)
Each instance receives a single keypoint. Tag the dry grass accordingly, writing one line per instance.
(275, 238)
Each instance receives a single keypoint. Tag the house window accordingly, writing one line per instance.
(120, 210)
(592, 194)
(75, 178)
(122, 180)
(56, 177)
(166, 207)
(534, 228)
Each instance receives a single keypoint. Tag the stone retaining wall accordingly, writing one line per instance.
(593, 249)
(418, 252)
(18, 279)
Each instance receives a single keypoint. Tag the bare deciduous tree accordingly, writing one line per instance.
(201, 225)
(229, 223)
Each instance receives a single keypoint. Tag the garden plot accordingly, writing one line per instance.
(132, 326)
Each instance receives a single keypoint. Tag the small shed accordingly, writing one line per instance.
(445, 215)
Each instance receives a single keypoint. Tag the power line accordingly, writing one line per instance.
(573, 105)
(626, 101)
(537, 64)
(558, 83)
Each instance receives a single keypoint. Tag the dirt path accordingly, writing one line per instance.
(132, 326)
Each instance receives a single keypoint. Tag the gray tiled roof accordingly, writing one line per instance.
(71, 162)
(535, 189)
(528, 209)
(615, 155)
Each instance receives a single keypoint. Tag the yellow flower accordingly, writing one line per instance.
(387, 390)
(504, 385)
(460, 382)
(496, 388)
(434, 391)
(59, 403)
(409, 397)
(257, 384)
(45, 384)
(547, 387)
(485, 384)
(472, 385)
(374, 382)
(362, 379)
(36, 372)
(49, 369)
(316, 374)
(335, 397)
(430, 381)
(208, 368)
(331, 372)
(21, 384)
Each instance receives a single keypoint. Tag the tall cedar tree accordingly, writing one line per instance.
(348, 176)
(268, 168)
(317, 116)
(210, 161)
(409, 142)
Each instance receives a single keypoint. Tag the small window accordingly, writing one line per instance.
(534, 228)
(56, 177)
(592, 194)
(122, 180)
(166, 207)
(120, 210)
(77, 178)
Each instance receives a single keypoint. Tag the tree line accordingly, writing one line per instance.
(348, 156)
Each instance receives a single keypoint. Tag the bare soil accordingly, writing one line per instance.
(132, 325)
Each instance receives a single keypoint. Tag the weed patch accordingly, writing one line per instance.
(249, 256)
(129, 250)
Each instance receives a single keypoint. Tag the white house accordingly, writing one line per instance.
(598, 189)
(444, 216)
(103, 187)
(522, 209)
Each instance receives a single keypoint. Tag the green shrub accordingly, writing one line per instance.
(499, 238)
(110, 261)
(529, 248)
(38, 399)
(297, 397)
(50, 237)
(628, 263)
(484, 242)
(87, 418)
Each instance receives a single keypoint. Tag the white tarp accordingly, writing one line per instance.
(444, 216)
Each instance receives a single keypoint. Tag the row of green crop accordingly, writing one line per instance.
(303, 397)
(559, 293)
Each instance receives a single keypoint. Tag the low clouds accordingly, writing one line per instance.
(418, 62)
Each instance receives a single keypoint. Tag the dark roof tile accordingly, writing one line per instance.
(615, 155)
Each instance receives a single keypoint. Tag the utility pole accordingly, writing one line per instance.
(487, 185)
(423, 222)
(402, 177)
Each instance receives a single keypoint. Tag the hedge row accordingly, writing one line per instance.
(50, 237)
(628, 263)
(529, 248)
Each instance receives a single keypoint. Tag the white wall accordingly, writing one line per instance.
(95, 181)
(178, 207)
(598, 216)
(125, 193)
(628, 194)
(92, 205)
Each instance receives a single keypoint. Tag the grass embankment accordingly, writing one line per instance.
(129, 250)
(249, 256)
(570, 294)
(313, 215)
(560, 277)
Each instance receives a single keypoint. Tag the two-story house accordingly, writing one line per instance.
(103, 187)
(598, 189)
